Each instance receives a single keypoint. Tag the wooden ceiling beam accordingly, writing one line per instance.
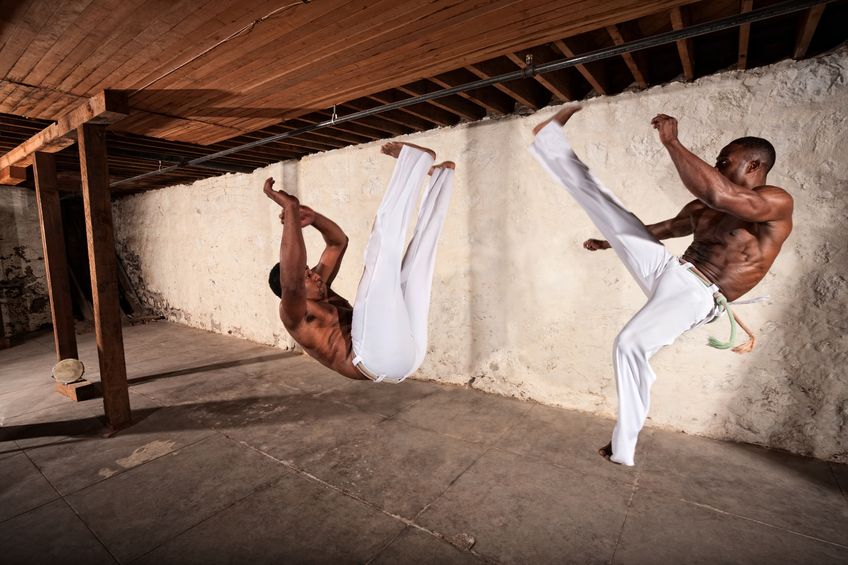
(809, 23)
(433, 115)
(685, 47)
(635, 68)
(493, 101)
(597, 84)
(13, 175)
(522, 91)
(744, 36)
(104, 108)
(346, 132)
(402, 119)
(554, 82)
(453, 104)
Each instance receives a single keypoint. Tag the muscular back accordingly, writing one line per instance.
(732, 252)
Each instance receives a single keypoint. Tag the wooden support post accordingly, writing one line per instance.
(55, 263)
(807, 30)
(104, 273)
(679, 20)
(744, 36)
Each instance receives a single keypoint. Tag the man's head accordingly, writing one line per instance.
(315, 287)
(746, 161)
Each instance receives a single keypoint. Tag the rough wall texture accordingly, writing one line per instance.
(24, 303)
(519, 308)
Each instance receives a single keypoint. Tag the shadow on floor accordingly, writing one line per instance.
(212, 367)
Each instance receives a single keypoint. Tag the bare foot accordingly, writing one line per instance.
(442, 165)
(560, 117)
(392, 149)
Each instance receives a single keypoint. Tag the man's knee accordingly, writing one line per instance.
(630, 343)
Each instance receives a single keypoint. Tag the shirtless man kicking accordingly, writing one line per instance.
(383, 337)
(739, 223)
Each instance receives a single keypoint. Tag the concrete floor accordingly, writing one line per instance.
(246, 454)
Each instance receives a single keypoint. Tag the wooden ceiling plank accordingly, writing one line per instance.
(56, 24)
(181, 39)
(401, 118)
(554, 82)
(72, 42)
(16, 38)
(679, 20)
(107, 107)
(809, 23)
(744, 36)
(635, 69)
(598, 85)
(404, 39)
(620, 8)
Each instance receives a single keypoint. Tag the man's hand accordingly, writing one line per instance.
(595, 244)
(307, 216)
(667, 127)
(281, 197)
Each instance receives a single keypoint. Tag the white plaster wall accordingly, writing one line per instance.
(24, 303)
(518, 307)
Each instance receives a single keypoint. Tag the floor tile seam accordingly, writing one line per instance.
(838, 483)
(484, 444)
(633, 491)
(407, 407)
(385, 546)
(139, 466)
(258, 488)
(303, 473)
(68, 504)
(33, 509)
(90, 530)
(762, 523)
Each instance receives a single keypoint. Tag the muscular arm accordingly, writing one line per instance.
(715, 190)
(292, 259)
(335, 245)
(681, 225)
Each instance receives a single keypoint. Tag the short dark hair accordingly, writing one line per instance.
(761, 148)
(274, 280)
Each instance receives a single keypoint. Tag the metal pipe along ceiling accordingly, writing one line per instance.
(772, 11)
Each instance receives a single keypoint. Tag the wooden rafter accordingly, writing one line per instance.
(679, 20)
(453, 104)
(521, 91)
(629, 59)
(593, 80)
(554, 82)
(397, 117)
(489, 99)
(744, 36)
(807, 30)
(432, 114)
(104, 108)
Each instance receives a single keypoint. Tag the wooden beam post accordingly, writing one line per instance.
(807, 30)
(744, 36)
(55, 262)
(104, 273)
(629, 58)
(679, 20)
(594, 81)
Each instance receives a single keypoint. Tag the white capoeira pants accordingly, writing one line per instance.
(677, 299)
(389, 328)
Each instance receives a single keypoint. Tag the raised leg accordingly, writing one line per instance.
(641, 253)
(420, 259)
(380, 331)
